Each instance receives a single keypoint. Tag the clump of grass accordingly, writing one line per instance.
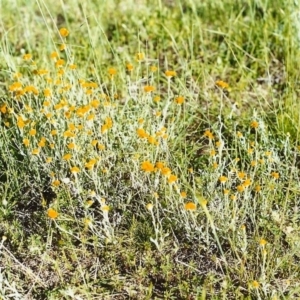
(145, 165)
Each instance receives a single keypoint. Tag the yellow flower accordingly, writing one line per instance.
(90, 117)
(71, 126)
(64, 32)
(94, 142)
(275, 175)
(208, 134)
(112, 71)
(241, 175)
(255, 284)
(16, 86)
(223, 179)
(129, 67)
(179, 100)
(67, 156)
(153, 68)
(47, 93)
(183, 194)
(58, 64)
(166, 171)
(147, 166)
(140, 56)
(156, 99)
(240, 188)
(254, 124)
(170, 73)
(26, 142)
(159, 165)
(31, 89)
(257, 188)
(62, 47)
(142, 133)
(53, 132)
(3, 108)
(172, 178)
(212, 152)
(247, 182)
(56, 183)
(191, 206)
(35, 151)
(42, 72)
(233, 197)
(90, 164)
(105, 208)
(222, 84)
(149, 88)
(32, 132)
(52, 214)
(17, 75)
(95, 103)
(226, 192)
(48, 160)
(42, 142)
(250, 150)
(104, 128)
(149, 206)
(262, 242)
(54, 55)
(101, 147)
(68, 133)
(202, 201)
(152, 140)
(27, 56)
(75, 170)
(239, 134)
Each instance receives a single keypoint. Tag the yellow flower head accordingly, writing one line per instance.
(149, 88)
(170, 73)
(140, 56)
(149, 206)
(275, 175)
(112, 71)
(153, 68)
(255, 284)
(208, 134)
(172, 178)
(75, 170)
(254, 124)
(35, 151)
(179, 100)
(129, 67)
(191, 206)
(52, 214)
(67, 156)
(183, 194)
(223, 179)
(105, 208)
(262, 242)
(27, 56)
(147, 166)
(26, 142)
(64, 32)
(222, 84)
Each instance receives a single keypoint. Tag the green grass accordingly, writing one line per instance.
(119, 182)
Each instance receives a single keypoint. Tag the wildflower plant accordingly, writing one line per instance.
(134, 160)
